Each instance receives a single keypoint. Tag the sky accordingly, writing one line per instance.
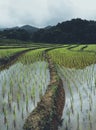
(41, 13)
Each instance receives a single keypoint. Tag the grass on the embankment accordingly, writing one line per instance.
(74, 59)
(8, 52)
(32, 56)
(79, 47)
(91, 47)
(14, 42)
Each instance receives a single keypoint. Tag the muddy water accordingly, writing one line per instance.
(80, 91)
(21, 87)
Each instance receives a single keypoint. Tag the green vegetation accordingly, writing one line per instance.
(8, 52)
(91, 47)
(76, 48)
(80, 89)
(9, 47)
(32, 56)
(15, 43)
(74, 58)
(23, 83)
(21, 89)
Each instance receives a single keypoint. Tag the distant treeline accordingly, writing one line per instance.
(74, 31)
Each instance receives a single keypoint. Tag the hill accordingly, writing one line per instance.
(73, 31)
(29, 28)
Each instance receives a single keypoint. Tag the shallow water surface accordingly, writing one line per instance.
(80, 91)
(21, 87)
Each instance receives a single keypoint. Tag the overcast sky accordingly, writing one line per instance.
(42, 13)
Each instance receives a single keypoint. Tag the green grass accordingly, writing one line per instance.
(8, 52)
(32, 56)
(77, 48)
(91, 47)
(71, 59)
(1, 47)
(14, 42)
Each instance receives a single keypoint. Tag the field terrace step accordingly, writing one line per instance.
(47, 115)
(6, 62)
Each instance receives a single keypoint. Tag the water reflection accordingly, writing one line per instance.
(80, 106)
(21, 87)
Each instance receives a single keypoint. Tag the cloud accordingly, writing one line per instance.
(44, 12)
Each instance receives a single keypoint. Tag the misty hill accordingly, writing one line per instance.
(2, 29)
(25, 27)
(22, 33)
(73, 31)
(48, 27)
(19, 34)
(29, 28)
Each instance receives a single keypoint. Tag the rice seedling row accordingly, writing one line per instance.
(24, 83)
(80, 105)
(32, 56)
(71, 59)
(8, 52)
(78, 71)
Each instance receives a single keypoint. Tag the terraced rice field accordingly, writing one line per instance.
(77, 68)
(8, 52)
(25, 81)
(80, 90)
(21, 87)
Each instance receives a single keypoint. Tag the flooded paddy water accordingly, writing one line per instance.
(80, 103)
(21, 87)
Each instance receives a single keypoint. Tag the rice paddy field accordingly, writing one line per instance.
(26, 80)
(8, 52)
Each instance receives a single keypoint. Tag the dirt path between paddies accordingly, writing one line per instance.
(47, 114)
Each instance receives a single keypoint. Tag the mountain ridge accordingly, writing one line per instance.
(72, 31)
